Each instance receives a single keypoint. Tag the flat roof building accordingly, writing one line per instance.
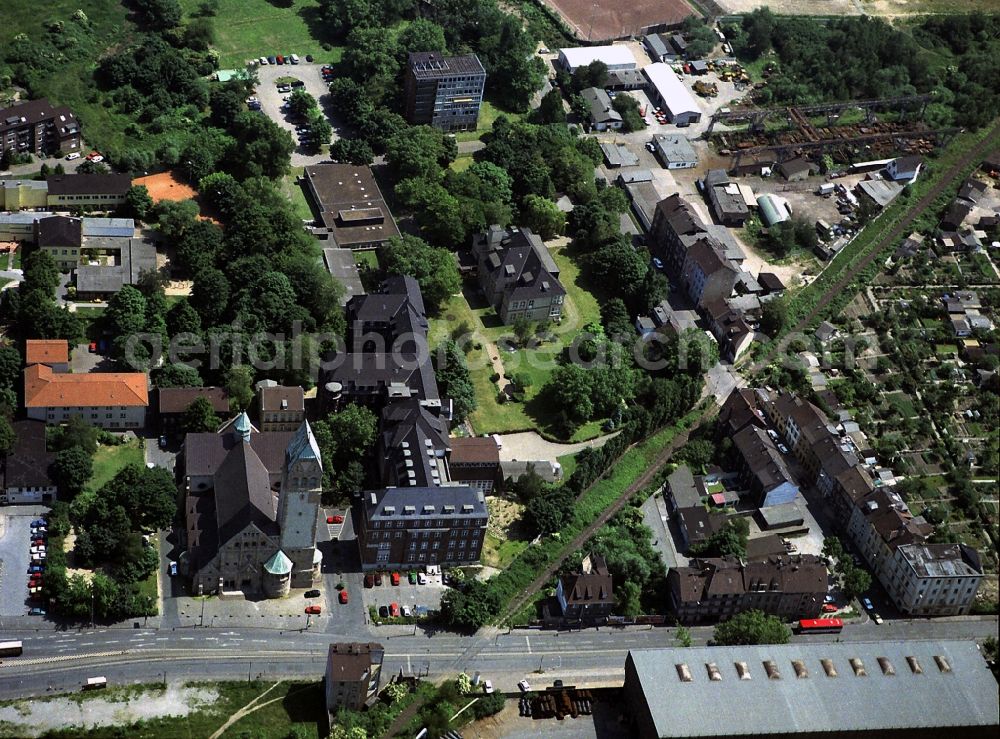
(353, 212)
(444, 91)
(912, 689)
(615, 57)
(342, 267)
(674, 151)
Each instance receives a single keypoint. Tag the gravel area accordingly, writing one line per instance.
(33, 718)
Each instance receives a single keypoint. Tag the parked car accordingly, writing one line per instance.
(866, 602)
(336, 518)
(405, 610)
(524, 685)
(312, 593)
(876, 618)
(421, 578)
(369, 581)
(36, 611)
(343, 597)
(487, 686)
(378, 578)
(829, 599)
(172, 569)
(657, 262)
(71, 157)
(163, 442)
(383, 611)
(314, 610)
(309, 58)
(272, 60)
(38, 522)
(38, 549)
(280, 59)
(782, 448)
(293, 58)
(394, 609)
(395, 578)
(829, 608)
(36, 568)
(298, 83)
(412, 577)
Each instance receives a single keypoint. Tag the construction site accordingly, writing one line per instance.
(846, 131)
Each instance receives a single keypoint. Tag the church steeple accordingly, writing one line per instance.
(243, 426)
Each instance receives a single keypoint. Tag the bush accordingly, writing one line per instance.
(488, 705)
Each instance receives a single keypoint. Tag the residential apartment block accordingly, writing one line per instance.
(588, 595)
(791, 587)
(921, 578)
(444, 91)
(518, 275)
(37, 127)
(762, 468)
(353, 674)
(110, 400)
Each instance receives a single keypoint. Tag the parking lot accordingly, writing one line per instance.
(271, 101)
(15, 543)
(406, 594)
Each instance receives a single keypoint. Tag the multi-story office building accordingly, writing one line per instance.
(444, 91)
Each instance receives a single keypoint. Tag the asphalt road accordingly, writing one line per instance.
(62, 660)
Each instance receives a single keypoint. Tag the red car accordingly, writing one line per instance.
(337, 519)
(314, 610)
(343, 596)
(394, 609)
(395, 578)
(829, 608)
(93, 347)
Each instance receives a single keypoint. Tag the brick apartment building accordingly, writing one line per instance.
(37, 127)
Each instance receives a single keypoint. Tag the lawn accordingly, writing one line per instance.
(462, 163)
(295, 192)
(109, 460)
(902, 403)
(944, 350)
(488, 112)
(580, 308)
(247, 29)
(499, 552)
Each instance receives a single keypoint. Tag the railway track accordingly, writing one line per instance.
(974, 155)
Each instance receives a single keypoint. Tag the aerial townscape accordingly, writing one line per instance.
(481, 368)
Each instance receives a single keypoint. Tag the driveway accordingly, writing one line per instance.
(271, 101)
(15, 531)
(528, 445)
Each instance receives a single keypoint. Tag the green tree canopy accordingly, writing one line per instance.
(752, 627)
(434, 268)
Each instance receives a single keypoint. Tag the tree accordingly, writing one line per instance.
(421, 35)
(550, 510)
(628, 107)
(264, 148)
(8, 437)
(239, 386)
(453, 378)
(178, 375)
(550, 109)
(434, 268)
(730, 540)
(301, 103)
(76, 433)
(774, 317)
(470, 606)
(619, 266)
(159, 15)
(856, 581)
(751, 627)
(71, 469)
(10, 366)
(569, 390)
(617, 324)
(138, 202)
(594, 74)
(210, 296)
(418, 151)
(353, 151)
(199, 417)
(174, 217)
(126, 312)
(439, 213)
(543, 216)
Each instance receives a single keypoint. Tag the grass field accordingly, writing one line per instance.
(488, 112)
(109, 460)
(247, 29)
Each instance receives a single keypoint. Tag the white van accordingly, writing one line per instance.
(294, 58)
(74, 155)
(95, 683)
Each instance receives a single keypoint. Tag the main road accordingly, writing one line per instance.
(61, 660)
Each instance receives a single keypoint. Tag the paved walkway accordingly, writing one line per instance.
(528, 445)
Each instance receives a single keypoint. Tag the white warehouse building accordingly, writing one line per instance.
(617, 58)
(667, 91)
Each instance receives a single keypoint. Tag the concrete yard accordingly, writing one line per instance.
(271, 101)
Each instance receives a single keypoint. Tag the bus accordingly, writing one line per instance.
(10, 649)
(821, 626)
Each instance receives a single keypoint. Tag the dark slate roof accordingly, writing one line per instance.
(413, 445)
(177, 399)
(243, 494)
(682, 487)
(59, 231)
(89, 184)
(351, 661)
(765, 461)
(592, 585)
(205, 452)
(395, 310)
(28, 463)
(458, 502)
(519, 261)
(383, 375)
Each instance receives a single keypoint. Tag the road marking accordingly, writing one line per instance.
(528, 642)
(111, 641)
(87, 644)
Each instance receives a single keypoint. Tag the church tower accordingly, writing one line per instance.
(298, 506)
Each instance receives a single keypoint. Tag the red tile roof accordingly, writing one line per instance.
(46, 351)
(44, 388)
